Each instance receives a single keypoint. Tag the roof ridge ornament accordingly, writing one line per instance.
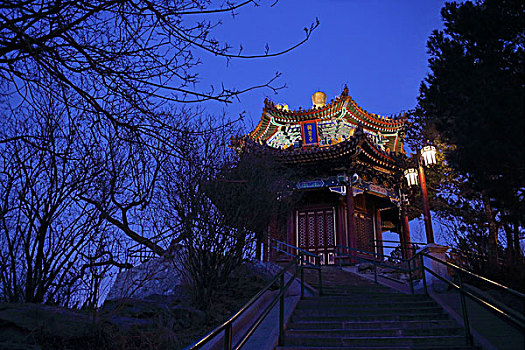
(345, 91)
(359, 130)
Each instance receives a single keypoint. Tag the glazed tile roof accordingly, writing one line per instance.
(337, 121)
(359, 147)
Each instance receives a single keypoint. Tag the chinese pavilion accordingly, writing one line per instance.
(351, 194)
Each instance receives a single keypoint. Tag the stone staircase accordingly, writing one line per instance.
(354, 313)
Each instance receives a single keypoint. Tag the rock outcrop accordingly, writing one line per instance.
(160, 276)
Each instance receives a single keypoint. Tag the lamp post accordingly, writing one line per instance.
(428, 153)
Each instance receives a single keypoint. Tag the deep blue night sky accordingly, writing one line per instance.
(377, 47)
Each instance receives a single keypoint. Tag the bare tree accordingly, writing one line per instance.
(211, 247)
(92, 128)
(123, 59)
(119, 68)
(221, 203)
(254, 189)
(127, 167)
(46, 231)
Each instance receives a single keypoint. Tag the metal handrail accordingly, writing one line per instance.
(387, 241)
(375, 262)
(516, 318)
(389, 246)
(301, 258)
(372, 253)
(305, 252)
(467, 272)
(227, 326)
(409, 246)
(303, 261)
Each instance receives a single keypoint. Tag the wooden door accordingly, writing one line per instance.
(365, 231)
(315, 232)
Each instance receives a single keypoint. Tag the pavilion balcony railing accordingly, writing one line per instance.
(417, 269)
(411, 267)
(408, 250)
(299, 261)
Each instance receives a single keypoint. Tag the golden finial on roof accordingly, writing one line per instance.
(319, 99)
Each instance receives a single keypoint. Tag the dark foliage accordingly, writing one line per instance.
(252, 190)
(472, 106)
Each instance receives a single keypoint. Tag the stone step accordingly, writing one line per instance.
(349, 292)
(358, 310)
(323, 303)
(371, 296)
(349, 284)
(421, 341)
(370, 317)
(424, 347)
(342, 287)
(368, 333)
(354, 313)
(306, 324)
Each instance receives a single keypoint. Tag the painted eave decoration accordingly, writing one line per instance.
(331, 124)
(358, 147)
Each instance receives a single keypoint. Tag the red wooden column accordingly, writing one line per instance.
(273, 229)
(342, 235)
(404, 236)
(291, 229)
(350, 220)
(379, 234)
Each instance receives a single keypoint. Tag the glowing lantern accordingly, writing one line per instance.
(411, 176)
(429, 155)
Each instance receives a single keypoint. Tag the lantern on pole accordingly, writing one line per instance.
(429, 155)
(411, 175)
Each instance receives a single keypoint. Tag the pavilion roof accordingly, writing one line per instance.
(280, 127)
(358, 150)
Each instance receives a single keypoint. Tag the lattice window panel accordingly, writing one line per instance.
(330, 229)
(311, 230)
(365, 232)
(302, 231)
(359, 203)
(360, 234)
(320, 229)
